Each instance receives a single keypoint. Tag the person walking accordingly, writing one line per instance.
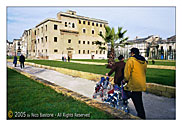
(22, 60)
(15, 60)
(135, 76)
(68, 58)
(118, 68)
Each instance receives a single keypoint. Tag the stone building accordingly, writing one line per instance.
(151, 47)
(67, 35)
(9, 46)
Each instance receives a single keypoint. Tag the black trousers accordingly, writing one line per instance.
(22, 65)
(136, 97)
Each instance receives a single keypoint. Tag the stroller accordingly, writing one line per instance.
(101, 88)
(118, 98)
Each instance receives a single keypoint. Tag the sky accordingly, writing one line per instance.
(138, 21)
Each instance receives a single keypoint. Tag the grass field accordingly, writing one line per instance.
(157, 62)
(160, 76)
(26, 95)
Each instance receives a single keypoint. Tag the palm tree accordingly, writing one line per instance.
(111, 37)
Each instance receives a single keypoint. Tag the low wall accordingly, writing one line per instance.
(157, 89)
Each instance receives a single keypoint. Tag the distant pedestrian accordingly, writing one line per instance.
(15, 60)
(63, 58)
(22, 60)
(135, 75)
(68, 58)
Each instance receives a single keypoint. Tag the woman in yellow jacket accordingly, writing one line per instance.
(135, 76)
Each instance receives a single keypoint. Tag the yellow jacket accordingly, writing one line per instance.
(135, 74)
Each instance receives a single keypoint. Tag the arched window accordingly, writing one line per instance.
(73, 25)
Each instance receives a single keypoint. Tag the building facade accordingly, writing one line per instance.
(67, 35)
(151, 47)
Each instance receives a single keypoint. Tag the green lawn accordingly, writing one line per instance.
(157, 62)
(26, 95)
(160, 76)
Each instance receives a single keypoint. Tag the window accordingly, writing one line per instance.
(100, 25)
(35, 41)
(66, 24)
(38, 40)
(55, 50)
(38, 30)
(42, 39)
(92, 31)
(55, 27)
(46, 50)
(83, 42)
(69, 40)
(34, 50)
(55, 39)
(42, 50)
(103, 52)
(79, 51)
(73, 25)
(100, 32)
(92, 43)
(46, 38)
(100, 52)
(46, 27)
(84, 30)
(41, 29)
(79, 42)
(35, 32)
(83, 22)
(88, 22)
(96, 52)
(88, 42)
(88, 51)
(79, 21)
(92, 23)
(83, 51)
(97, 24)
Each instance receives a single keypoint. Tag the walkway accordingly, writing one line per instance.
(156, 107)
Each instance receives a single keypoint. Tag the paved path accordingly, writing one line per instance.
(156, 107)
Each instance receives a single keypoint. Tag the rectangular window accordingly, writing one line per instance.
(83, 51)
(103, 52)
(55, 39)
(79, 51)
(96, 52)
(38, 40)
(69, 40)
(46, 38)
(88, 22)
(55, 50)
(100, 25)
(79, 21)
(83, 22)
(88, 51)
(55, 27)
(73, 25)
(83, 42)
(92, 31)
(46, 27)
(42, 39)
(92, 23)
(97, 24)
(92, 43)
(88, 43)
(41, 29)
(100, 52)
(84, 30)
(46, 50)
(35, 32)
(66, 24)
(79, 42)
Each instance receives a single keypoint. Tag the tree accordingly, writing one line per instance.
(110, 37)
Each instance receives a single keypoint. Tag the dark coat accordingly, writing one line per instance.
(22, 59)
(118, 68)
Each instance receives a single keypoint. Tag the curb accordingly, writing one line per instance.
(118, 114)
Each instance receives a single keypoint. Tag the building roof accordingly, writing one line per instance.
(69, 14)
(49, 19)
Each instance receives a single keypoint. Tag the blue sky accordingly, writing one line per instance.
(138, 21)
